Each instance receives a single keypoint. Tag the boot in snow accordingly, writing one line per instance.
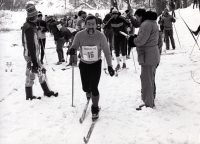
(29, 94)
(95, 112)
(124, 65)
(117, 67)
(48, 92)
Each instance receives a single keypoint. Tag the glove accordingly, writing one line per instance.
(131, 41)
(72, 51)
(111, 71)
(43, 70)
(35, 66)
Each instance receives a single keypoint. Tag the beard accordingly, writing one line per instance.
(90, 31)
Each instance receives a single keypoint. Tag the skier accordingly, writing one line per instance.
(42, 29)
(108, 32)
(134, 24)
(31, 55)
(197, 31)
(167, 20)
(91, 42)
(148, 53)
(119, 23)
(55, 26)
(81, 22)
(99, 22)
(173, 5)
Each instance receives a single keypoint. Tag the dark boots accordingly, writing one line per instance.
(29, 94)
(48, 92)
(95, 112)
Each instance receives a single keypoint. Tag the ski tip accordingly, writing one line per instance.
(80, 120)
(85, 140)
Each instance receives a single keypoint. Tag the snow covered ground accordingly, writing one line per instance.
(176, 119)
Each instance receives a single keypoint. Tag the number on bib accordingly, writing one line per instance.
(90, 53)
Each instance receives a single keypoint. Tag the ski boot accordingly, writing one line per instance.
(48, 92)
(124, 65)
(29, 94)
(117, 67)
(95, 112)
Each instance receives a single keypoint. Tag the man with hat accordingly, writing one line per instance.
(167, 21)
(42, 29)
(31, 55)
(119, 23)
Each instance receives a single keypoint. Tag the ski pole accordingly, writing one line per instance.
(133, 60)
(194, 45)
(189, 29)
(72, 80)
(177, 35)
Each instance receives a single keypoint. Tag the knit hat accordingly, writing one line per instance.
(115, 11)
(31, 10)
(39, 14)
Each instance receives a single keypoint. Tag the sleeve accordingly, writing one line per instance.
(54, 31)
(31, 43)
(143, 35)
(105, 20)
(45, 29)
(173, 19)
(106, 50)
(107, 23)
(134, 22)
(126, 21)
(76, 42)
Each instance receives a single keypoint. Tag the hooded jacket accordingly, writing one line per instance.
(147, 40)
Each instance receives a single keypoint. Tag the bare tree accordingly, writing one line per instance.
(1, 3)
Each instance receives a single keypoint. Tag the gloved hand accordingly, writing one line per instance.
(38, 28)
(43, 70)
(71, 51)
(111, 71)
(34, 66)
(131, 41)
(128, 29)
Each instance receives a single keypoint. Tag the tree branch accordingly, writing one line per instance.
(87, 4)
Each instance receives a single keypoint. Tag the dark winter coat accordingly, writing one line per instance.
(56, 32)
(42, 28)
(30, 41)
(118, 24)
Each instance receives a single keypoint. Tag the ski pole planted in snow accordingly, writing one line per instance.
(194, 44)
(72, 81)
(177, 35)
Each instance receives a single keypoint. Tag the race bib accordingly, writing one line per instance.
(71, 29)
(90, 53)
(59, 26)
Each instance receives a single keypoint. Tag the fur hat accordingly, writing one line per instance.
(31, 10)
(115, 11)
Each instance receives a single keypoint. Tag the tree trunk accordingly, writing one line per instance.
(185, 3)
(160, 5)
